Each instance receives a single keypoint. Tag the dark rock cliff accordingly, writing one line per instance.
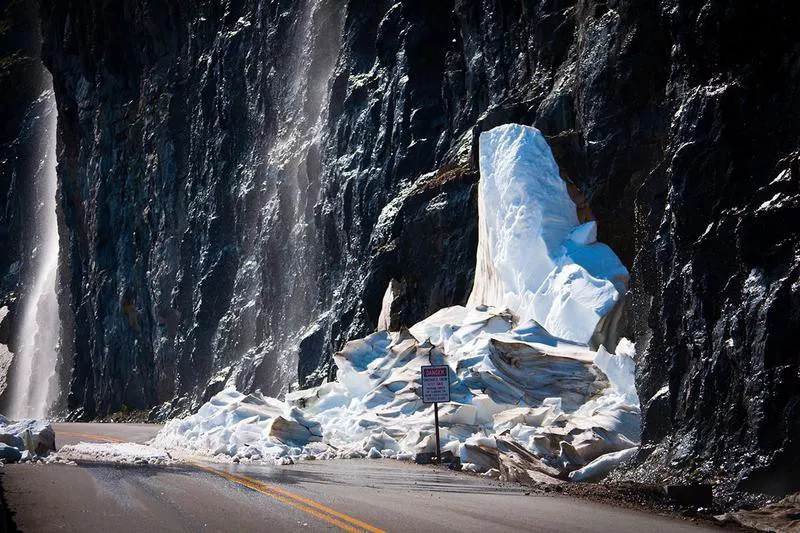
(717, 277)
(241, 181)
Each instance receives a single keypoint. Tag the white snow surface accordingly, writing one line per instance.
(525, 385)
(602, 466)
(519, 384)
(250, 426)
(384, 319)
(534, 257)
(124, 452)
(27, 441)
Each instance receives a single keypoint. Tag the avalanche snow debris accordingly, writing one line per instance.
(36, 436)
(125, 452)
(601, 466)
(27, 441)
(530, 399)
(242, 426)
(522, 385)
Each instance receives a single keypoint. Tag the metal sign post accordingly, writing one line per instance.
(438, 444)
(435, 389)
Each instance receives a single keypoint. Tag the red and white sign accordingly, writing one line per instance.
(435, 384)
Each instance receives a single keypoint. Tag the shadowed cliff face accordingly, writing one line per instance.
(191, 159)
(241, 182)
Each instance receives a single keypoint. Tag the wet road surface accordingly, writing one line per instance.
(338, 495)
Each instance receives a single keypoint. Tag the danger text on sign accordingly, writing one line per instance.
(435, 384)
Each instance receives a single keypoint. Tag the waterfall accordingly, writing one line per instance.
(34, 384)
(300, 122)
(286, 251)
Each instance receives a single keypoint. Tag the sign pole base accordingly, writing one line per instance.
(438, 446)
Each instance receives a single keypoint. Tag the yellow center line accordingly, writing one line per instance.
(318, 510)
(311, 503)
(288, 501)
(90, 436)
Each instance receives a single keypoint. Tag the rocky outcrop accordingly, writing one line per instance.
(241, 182)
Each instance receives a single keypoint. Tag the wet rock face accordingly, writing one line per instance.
(21, 84)
(716, 279)
(240, 183)
(189, 170)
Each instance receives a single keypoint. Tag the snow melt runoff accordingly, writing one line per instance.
(530, 398)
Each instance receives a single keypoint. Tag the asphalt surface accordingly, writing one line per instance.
(338, 495)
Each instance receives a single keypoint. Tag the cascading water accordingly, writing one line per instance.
(302, 113)
(33, 383)
(288, 255)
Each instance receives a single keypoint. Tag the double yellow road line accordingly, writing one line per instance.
(317, 510)
(89, 436)
(323, 512)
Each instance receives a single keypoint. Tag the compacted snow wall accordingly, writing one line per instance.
(534, 257)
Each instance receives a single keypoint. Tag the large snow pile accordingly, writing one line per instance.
(529, 396)
(509, 386)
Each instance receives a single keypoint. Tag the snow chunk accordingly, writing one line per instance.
(36, 436)
(439, 326)
(584, 234)
(524, 214)
(385, 318)
(602, 466)
(620, 369)
(126, 453)
(570, 302)
(354, 360)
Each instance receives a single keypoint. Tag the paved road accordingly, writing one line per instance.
(355, 495)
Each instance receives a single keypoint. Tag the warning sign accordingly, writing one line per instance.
(435, 384)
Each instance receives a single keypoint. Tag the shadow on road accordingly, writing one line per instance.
(7, 524)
